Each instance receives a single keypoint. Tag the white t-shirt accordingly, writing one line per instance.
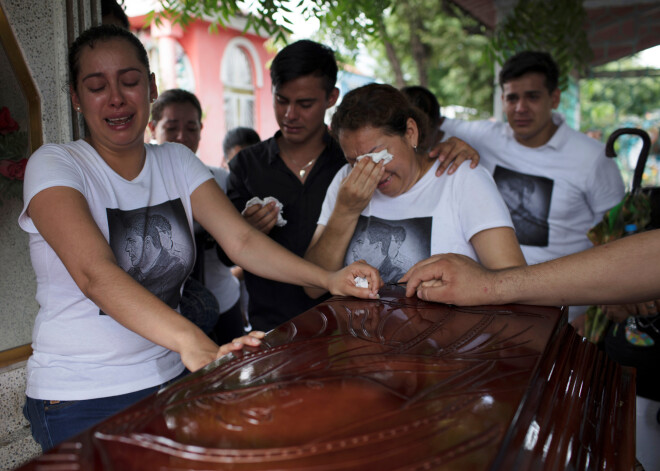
(217, 276)
(79, 351)
(555, 192)
(437, 215)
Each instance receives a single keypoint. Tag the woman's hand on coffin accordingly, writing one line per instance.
(253, 339)
(343, 283)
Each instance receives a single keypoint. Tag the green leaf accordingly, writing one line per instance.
(555, 26)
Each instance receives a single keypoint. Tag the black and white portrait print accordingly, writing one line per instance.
(528, 199)
(154, 245)
(391, 246)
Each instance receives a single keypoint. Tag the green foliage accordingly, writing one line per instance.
(631, 215)
(448, 60)
(457, 71)
(350, 25)
(606, 103)
(554, 26)
(261, 18)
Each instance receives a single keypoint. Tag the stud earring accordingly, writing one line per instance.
(415, 148)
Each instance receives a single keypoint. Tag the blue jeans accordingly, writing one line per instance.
(53, 422)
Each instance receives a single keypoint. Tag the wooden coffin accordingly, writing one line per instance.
(389, 384)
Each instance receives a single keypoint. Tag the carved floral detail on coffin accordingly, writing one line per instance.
(393, 384)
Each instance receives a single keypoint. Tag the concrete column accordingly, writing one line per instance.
(167, 36)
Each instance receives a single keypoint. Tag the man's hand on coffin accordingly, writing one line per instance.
(450, 278)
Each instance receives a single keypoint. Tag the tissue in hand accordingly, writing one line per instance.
(256, 200)
(377, 157)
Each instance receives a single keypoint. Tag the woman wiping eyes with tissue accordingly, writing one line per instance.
(387, 207)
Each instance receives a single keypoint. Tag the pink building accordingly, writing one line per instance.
(225, 69)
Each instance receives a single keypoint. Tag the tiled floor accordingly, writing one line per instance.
(16, 443)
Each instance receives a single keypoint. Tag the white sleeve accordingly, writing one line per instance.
(605, 188)
(468, 131)
(479, 201)
(51, 165)
(221, 176)
(331, 195)
(196, 172)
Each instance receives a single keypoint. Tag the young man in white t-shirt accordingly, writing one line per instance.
(565, 181)
(569, 182)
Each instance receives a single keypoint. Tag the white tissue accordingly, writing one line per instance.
(361, 282)
(377, 157)
(256, 200)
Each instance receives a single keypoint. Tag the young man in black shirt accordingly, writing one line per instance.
(295, 166)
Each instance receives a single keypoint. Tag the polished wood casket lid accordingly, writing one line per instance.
(389, 384)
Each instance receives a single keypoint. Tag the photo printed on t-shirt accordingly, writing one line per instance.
(528, 199)
(154, 245)
(392, 246)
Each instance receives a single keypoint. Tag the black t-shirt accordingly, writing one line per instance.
(259, 171)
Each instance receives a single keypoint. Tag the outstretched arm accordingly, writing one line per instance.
(62, 217)
(259, 254)
(498, 248)
(622, 271)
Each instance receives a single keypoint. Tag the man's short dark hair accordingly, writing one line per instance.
(528, 62)
(240, 136)
(174, 95)
(304, 58)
